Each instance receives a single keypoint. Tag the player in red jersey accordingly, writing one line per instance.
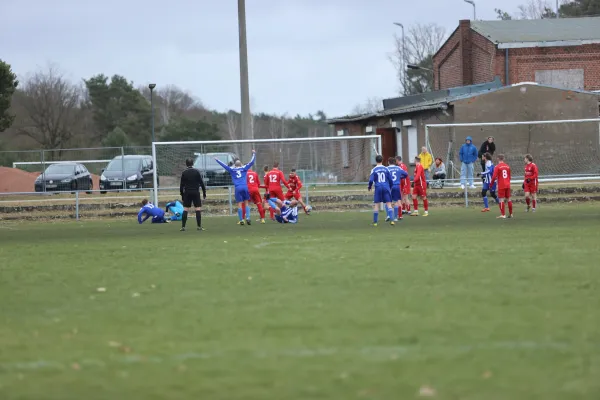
(530, 186)
(404, 187)
(275, 178)
(295, 184)
(266, 196)
(254, 185)
(502, 175)
(419, 189)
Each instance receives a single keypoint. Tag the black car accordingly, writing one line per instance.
(64, 177)
(127, 172)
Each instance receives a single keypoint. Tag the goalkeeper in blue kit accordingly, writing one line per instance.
(176, 209)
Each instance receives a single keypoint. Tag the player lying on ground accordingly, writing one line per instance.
(239, 174)
(530, 186)
(502, 175)
(397, 174)
(286, 212)
(295, 184)
(254, 190)
(487, 178)
(404, 187)
(175, 208)
(419, 189)
(149, 210)
(380, 176)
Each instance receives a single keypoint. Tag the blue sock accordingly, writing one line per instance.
(375, 216)
(390, 213)
(485, 202)
(240, 213)
(395, 212)
(247, 212)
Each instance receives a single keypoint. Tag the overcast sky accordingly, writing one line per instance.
(304, 55)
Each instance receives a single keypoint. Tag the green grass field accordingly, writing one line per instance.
(457, 305)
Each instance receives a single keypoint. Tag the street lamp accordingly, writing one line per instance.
(244, 85)
(151, 87)
(403, 52)
(471, 2)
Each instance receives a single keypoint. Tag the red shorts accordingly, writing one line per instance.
(419, 191)
(504, 193)
(255, 197)
(276, 194)
(530, 187)
(293, 195)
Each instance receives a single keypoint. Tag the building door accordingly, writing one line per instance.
(388, 143)
(413, 147)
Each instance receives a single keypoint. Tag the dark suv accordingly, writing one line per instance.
(127, 172)
(213, 173)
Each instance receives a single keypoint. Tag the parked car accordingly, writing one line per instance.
(213, 173)
(127, 172)
(64, 177)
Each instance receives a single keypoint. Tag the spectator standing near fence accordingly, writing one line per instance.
(426, 160)
(468, 155)
(486, 147)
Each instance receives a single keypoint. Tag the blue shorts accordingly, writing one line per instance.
(242, 194)
(382, 195)
(158, 220)
(291, 220)
(396, 194)
(486, 186)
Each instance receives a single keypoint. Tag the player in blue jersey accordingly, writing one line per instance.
(150, 210)
(176, 209)
(397, 175)
(487, 178)
(239, 174)
(286, 212)
(381, 178)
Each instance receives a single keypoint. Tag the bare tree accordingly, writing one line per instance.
(371, 106)
(536, 9)
(171, 102)
(421, 42)
(52, 109)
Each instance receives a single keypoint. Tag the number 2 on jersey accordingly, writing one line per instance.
(251, 178)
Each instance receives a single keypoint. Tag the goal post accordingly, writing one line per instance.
(564, 150)
(317, 160)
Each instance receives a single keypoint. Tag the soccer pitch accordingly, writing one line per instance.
(457, 305)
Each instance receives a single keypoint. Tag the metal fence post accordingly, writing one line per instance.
(466, 196)
(123, 168)
(77, 205)
(43, 170)
(230, 201)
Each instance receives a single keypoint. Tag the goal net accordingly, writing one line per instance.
(562, 149)
(321, 160)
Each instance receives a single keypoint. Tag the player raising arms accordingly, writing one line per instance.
(239, 174)
(295, 184)
(397, 174)
(530, 186)
(380, 176)
(275, 178)
(487, 178)
(502, 175)
(419, 189)
(254, 191)
(404, 187)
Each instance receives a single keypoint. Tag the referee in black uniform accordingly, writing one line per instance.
(191, 182)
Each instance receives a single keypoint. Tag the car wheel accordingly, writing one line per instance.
(73, 187)
(103, 192)
(90, 187)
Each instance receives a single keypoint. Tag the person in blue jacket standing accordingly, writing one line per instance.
(468, 156)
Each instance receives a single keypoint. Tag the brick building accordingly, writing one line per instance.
(557, 52)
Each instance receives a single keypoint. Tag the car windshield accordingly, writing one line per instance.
(208, 162)
(117, 164)
(60, 169)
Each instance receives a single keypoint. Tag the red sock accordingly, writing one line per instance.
(408, 207)
(416, 204)
(534, 203)
(528, 200)
(426, 204)
(261, 211)
(271, 213)
(501, 207)
(510, 207)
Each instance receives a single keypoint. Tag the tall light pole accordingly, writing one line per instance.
(403, 55)
(471, 2)
(244, 85)
(557, 9)
(151, 87)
